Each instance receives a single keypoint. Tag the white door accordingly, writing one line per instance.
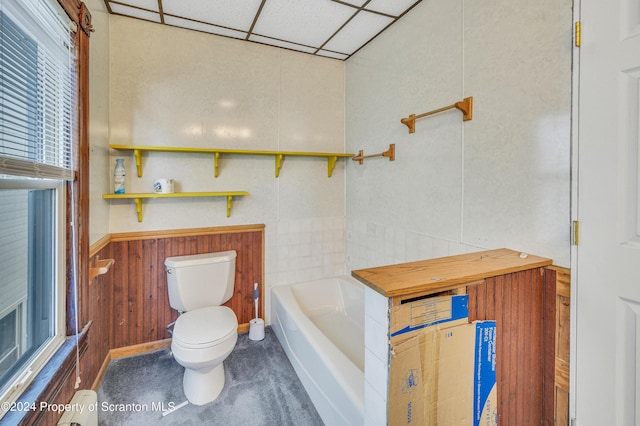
(607, 290)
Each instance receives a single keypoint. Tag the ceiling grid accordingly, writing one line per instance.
(330, 28)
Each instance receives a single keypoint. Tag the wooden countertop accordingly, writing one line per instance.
(445, 273)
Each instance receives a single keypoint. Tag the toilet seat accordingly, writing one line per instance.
(204, 327)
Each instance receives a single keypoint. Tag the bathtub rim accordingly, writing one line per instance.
(352, 381)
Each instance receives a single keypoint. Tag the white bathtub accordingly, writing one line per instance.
(320, 325)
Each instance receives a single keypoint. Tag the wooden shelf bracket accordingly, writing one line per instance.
(138, 155)
(279, 158)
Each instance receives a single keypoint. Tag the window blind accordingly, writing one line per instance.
(37, 90)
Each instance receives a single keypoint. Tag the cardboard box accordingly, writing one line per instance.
(485, 397)
(410, 319)
(444, 375)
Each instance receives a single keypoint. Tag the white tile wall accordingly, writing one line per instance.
(299, 250)
(376, 357)
(372, 244)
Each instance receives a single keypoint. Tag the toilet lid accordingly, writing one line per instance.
(204, 326)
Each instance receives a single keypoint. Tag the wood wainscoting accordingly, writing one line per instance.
(531, 310)
(129, 305)
(139, 306)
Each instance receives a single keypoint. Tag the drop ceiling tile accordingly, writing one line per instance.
(309, 22)
(394, 8)
(144, 4)
(133, 12)
(199, 26)
(280, 43)
(355, 3)
(334, 55)
(357, 32)
(234, 14)
(302, 25)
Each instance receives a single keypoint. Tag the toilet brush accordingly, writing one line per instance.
(256, 325)
(255, 297)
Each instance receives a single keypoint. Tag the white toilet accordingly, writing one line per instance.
(205, 333)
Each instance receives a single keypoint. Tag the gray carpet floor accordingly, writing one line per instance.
(261, 389)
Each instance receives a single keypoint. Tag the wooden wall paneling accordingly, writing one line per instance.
(247, 282)
(193, 244)
(499, 312)
(549, 356)
(150, 290)
(520, 330)
(162, 309)
(490, 302)
(134, 302)
(257, 267)
(560, 318)
(97, 307)
(141, 306)
(472, 295)
(171, 247)
(532, 325)
(128, 325)
(514, 301)
(481, 301)
(237, 302)
(537, 314)
(203, 245)
(511, 352)
(118, 333)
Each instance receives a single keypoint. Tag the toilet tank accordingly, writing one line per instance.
(200, 280)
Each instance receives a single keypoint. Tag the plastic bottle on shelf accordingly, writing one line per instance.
(118, 177)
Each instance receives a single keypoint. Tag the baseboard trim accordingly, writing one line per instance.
(139, 348)
(170, 233)
(100, 375)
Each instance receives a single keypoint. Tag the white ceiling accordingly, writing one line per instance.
(331, 28)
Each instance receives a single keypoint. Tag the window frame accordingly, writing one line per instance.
(22, 380)
(48, 385)
(64, 202)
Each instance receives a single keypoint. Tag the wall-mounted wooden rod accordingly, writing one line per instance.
(391, 153)
(466, 106)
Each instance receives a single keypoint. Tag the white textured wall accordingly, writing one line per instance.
(99, 161)
(175, 87)
(500, 180)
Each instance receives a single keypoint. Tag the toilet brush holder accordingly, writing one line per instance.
(256, 329)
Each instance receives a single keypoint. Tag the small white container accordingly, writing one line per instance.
(256, 329)
(163, 186)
